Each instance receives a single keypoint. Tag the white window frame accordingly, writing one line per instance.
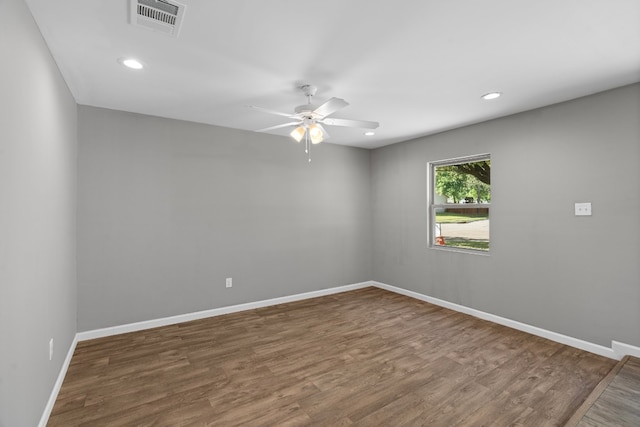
(432, 206)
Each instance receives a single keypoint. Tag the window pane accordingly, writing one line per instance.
(463, 183)
(463, 228)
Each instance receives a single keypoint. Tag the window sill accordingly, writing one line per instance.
(459, 250)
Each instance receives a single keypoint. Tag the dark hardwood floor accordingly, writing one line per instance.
(367, 358)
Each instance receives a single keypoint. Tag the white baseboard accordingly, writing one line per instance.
(56, 387)
(553, 336)
(148, 324)
(622, 349)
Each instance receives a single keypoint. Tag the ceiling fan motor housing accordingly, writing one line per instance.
(306, 110)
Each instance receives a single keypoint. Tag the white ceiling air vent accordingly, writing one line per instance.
(158, 15)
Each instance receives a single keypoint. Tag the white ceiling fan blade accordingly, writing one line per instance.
(330, 107)
(278, 127)
(266, 110)
(351, 123)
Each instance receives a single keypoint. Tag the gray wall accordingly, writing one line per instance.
(579, 276)
(38, 143)
(168, 209)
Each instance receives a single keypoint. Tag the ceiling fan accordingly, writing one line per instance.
(308, 119)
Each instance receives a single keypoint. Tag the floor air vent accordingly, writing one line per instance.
(158, 15)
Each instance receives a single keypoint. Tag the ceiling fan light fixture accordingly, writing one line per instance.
(297, 133)
(369, 133)
(315, 133)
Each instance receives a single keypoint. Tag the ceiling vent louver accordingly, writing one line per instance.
(158, 15)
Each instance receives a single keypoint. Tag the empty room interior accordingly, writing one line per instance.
(245, 212)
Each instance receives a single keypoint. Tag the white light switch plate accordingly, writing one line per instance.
(583, 209)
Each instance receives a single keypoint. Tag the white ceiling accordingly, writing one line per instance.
(416, 66)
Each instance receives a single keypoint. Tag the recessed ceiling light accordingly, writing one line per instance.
(131, 63)
(491, 95)
(370, 133)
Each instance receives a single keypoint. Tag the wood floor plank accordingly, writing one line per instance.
(365, 357)
(618, 402)
(594, 395)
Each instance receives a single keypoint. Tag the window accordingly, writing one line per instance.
(459, 201)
